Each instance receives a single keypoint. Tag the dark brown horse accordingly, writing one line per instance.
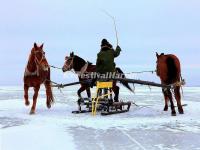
(36, 73)
(80, 66)
(169, 71)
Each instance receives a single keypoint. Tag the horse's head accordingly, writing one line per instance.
(68, 65)
(73, 62)
(39, 57)
(159, 62)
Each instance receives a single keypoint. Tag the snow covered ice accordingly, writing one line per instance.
(145, 126)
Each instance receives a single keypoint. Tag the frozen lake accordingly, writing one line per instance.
(144, 127)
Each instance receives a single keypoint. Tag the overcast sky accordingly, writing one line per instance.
(144, 27)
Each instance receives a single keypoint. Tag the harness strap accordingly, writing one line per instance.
(84, 68)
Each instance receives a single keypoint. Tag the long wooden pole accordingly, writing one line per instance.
(72, 83)
(134, 81)
(142, 82)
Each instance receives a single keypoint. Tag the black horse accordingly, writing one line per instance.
(80, 66)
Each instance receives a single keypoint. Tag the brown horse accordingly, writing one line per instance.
(36, 73)
(80, 66)
(169, 71)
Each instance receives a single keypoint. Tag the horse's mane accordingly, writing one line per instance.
(172, 69)
(78, 63)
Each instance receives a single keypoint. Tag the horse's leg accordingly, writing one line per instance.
(178, 99)
(171, 102)
(116, 91)
(88, 92)
(82, 88)
(166, 99)
(36, 89)
(49, 94)
(26, 94)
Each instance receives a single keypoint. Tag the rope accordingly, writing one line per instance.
(139, 72)
(179, 83)
(55, 67)
(53, 82)
(184, 84)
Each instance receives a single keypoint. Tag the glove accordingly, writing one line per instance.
(118, 47)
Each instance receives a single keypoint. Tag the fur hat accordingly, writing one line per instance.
(104, 42)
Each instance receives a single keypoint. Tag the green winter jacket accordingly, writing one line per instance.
(105, 59)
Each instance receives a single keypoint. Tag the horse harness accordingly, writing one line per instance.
(37, 62)
(70, 66)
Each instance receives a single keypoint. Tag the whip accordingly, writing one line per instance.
(114, 23)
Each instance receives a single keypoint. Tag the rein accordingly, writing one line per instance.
(55, 67)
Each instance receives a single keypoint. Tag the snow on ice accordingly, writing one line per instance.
(145, 126)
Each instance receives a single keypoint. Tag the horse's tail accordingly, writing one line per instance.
(124, 83)
(49, 93)
(173, 73)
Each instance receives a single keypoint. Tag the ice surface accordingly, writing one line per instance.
(144, 127)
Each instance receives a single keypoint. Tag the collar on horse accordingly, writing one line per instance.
(29, 73)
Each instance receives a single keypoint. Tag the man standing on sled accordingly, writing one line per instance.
(105, 63)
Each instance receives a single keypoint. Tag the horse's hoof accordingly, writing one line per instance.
(32, 112)
(48, 106)
(180, 110)
(173, 114)
(27, 103)
(165, 108)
